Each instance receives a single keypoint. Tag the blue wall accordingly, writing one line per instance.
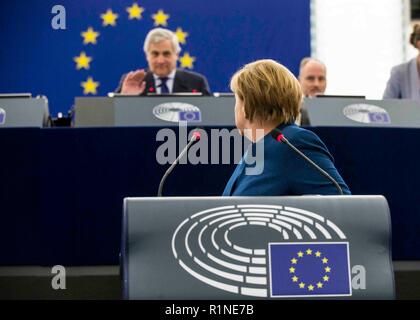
(223, 35)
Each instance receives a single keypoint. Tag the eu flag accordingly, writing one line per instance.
(104, 39)
(192, 116)
(309, 269)
(379, 117)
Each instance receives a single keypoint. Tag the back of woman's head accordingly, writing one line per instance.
(415, 35)
(269, 91)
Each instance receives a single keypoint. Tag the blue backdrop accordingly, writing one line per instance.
(222, 36)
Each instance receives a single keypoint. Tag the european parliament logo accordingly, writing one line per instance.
(367, 113)
(177, 111)
(293, 253)
(310, 269)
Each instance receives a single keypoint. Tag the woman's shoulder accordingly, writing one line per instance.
(305, 140)
(403, 67)
(295, 133)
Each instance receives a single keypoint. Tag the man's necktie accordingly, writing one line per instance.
(163, 87)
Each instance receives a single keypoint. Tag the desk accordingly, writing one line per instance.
(61, 189)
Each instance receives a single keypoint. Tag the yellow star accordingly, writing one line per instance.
(325, 260)
(187, 61)
(295, 279)
(89, 86)
(181, 35)
(328, 269)
(319, 285)
(294, 261)
(109, 18)
(301, 285)
(292, 270)
(134, 12)
(89, 36)
(309, 252)
(311, 287)
(326, 278)
(82, 61)
(300, 254)
(160, 18)
(317, 254)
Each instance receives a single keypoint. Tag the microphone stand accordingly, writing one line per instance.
(194, 138)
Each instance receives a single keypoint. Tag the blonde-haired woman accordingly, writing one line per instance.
(404, 81)
(268, 96)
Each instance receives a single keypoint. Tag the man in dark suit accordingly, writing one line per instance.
(162, 51)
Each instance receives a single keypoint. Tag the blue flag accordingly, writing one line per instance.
(192, 116)
(99, 41)
(379, 117)
(309, 269)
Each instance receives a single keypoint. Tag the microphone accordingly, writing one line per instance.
(278, 136)
(195, 137)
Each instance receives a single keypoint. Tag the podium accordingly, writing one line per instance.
(216, 248)
(353, 112)
(23, 112)
(160, 111)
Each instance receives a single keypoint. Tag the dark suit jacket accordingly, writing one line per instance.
(286, 173)
(304, 116)
(185, 81)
